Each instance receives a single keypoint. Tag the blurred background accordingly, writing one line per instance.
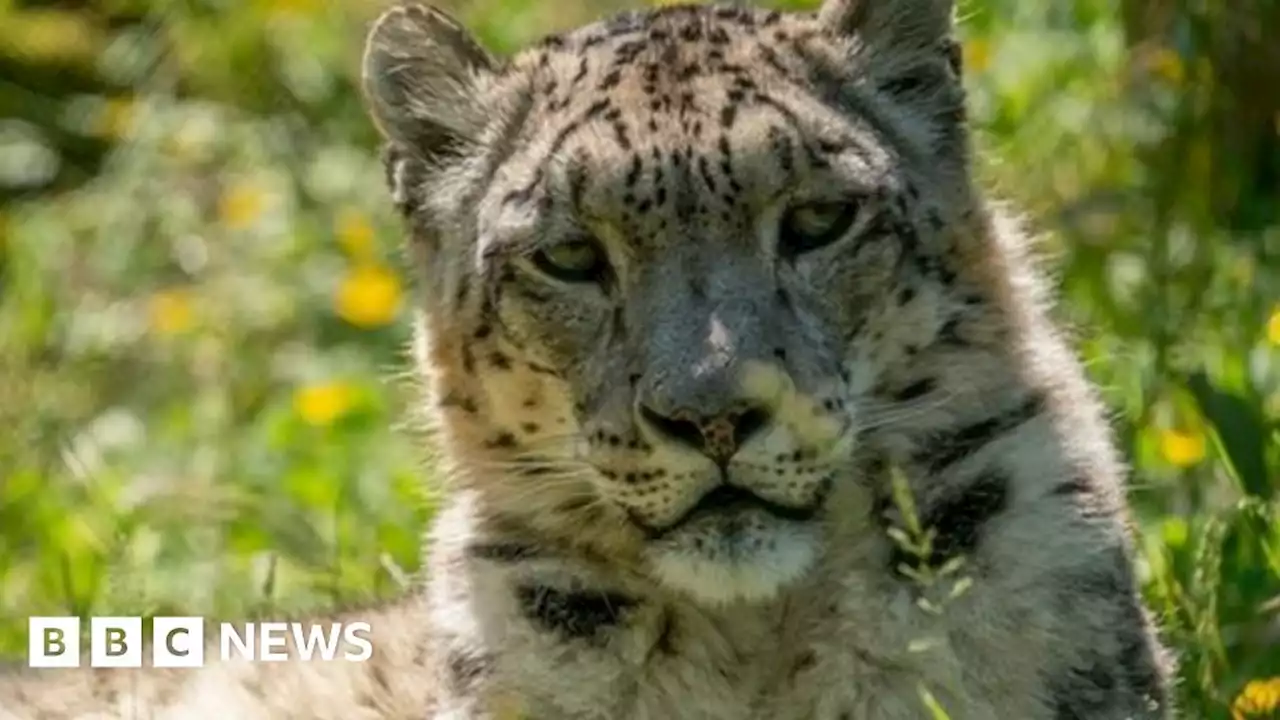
(202, 310)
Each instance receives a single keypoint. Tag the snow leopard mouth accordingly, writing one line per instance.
(727, 501)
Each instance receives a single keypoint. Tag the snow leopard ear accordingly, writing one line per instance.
(422, 75)
(892, 24)
(908, 52)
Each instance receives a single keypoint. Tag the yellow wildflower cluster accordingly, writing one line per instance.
(115, 118)
(171, 312)
(322, 404)
(241, 205)
(1182, 448)
(1258, 700)
(977, 55)
(1273, 327)
(370, 295)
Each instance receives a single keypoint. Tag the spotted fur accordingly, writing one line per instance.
(695, 285)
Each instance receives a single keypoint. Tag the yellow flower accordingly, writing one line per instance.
(1273, 327)
(1166, 63)
(1182, 448)
(977, 55)
(369, 296)
(355, 234)
(115, 118)
(1258, 699)
(241, 205)
(171, 311)
(323, 403)
(58, 36)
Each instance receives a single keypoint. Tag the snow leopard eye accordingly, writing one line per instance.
(580, 260)
(813, 225)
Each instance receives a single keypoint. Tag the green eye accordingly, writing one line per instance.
(809, 227)
(576, 261)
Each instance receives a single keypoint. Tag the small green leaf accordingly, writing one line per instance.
(1240, 433)
(935, 708)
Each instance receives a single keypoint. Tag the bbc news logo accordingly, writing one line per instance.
(178, 642)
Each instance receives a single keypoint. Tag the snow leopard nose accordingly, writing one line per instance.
(718, 436)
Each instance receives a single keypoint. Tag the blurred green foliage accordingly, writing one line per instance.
(201, 378)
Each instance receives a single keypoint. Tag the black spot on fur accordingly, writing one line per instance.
(466, 667)
(802, 663)
(784, 298)
(697, 286)
(1085, 691)
(770, 57)
(582, 72)
(949, 333)
(952, 448)
(633, 171)
(611, 80)
(503, 440)
(1139, 665)
(728, 114)
(505, 552)
(781, 145)
(627, 52)
(1140, 686)
(462, 402)
(958, 521)
(666, 642)
(573, 614)
(1072, 487)
(464, 291)
(915, 390)
(901, 84)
